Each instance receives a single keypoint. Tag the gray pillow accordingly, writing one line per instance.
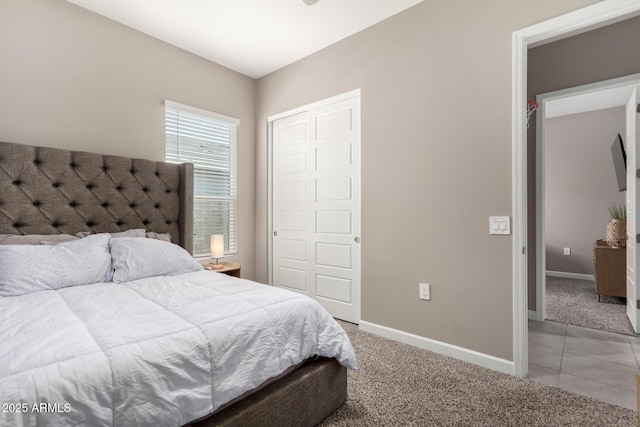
(134, 259)
(29, 268)
(36, 239)
(135, 232)
(166, 237)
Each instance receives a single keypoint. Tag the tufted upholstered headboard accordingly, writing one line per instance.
(53, 191)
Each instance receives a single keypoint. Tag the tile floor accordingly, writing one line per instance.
(593, 363)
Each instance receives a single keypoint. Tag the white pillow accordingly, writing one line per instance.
(30, 268)
(134, 259)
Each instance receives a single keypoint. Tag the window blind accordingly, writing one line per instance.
(209, 142)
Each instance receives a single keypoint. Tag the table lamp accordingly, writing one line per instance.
(217, 250)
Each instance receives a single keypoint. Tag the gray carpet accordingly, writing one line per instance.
(575, 302)
(401, 385)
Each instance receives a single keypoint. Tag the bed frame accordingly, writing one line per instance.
(52, 191)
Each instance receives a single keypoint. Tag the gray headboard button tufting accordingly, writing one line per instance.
(52, 191)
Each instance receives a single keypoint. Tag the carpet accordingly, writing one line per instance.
(575, 302)
(401, 385)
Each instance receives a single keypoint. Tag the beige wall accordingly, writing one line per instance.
(436, 161)
(609, 52)
(580, 183)
(436, 147)
(72, 79)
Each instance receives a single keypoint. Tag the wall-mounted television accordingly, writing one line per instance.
(619, 162)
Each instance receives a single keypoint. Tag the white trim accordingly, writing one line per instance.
(199, 111)
(461, 353)
(582, 20)
(590, 17)
(618, 82)
(541, 236)
(578, 276)
(519, 206)
(337, 98)
(270, 201)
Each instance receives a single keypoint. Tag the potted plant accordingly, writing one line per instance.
(617, 227)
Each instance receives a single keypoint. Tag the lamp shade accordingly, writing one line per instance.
(217, 246)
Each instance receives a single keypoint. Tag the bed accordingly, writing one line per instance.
(105, 322)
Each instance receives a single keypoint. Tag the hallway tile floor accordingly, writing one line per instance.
(585, 361)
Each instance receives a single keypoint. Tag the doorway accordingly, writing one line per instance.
(591, 17)
(585, 99)
(315, 203)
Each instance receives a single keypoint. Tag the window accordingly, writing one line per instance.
(207, 140)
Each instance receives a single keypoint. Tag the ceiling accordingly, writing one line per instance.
(253, 37)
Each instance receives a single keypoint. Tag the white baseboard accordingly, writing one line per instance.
(570, 275)
(471, 356)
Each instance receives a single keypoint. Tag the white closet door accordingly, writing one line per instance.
(633, 199)
(316, 205)
(291, 203)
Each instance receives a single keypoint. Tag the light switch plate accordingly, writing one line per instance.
(424, 291)
(499, 225)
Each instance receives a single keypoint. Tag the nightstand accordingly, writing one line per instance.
(228, 268)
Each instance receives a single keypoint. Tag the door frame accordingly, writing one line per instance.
(270, 119)
(591, 17)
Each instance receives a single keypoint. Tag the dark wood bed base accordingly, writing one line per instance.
(53, 191)
(304, 397)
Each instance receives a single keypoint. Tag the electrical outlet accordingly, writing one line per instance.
(567, 251)
(424, 291)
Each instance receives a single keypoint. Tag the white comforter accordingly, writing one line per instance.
(160, 351)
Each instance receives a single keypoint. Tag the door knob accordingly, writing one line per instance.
(275, 233)
(357, 239)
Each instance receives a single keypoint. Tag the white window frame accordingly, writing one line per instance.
(201, 243)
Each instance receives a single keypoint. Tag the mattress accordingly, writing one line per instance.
(157, 351)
